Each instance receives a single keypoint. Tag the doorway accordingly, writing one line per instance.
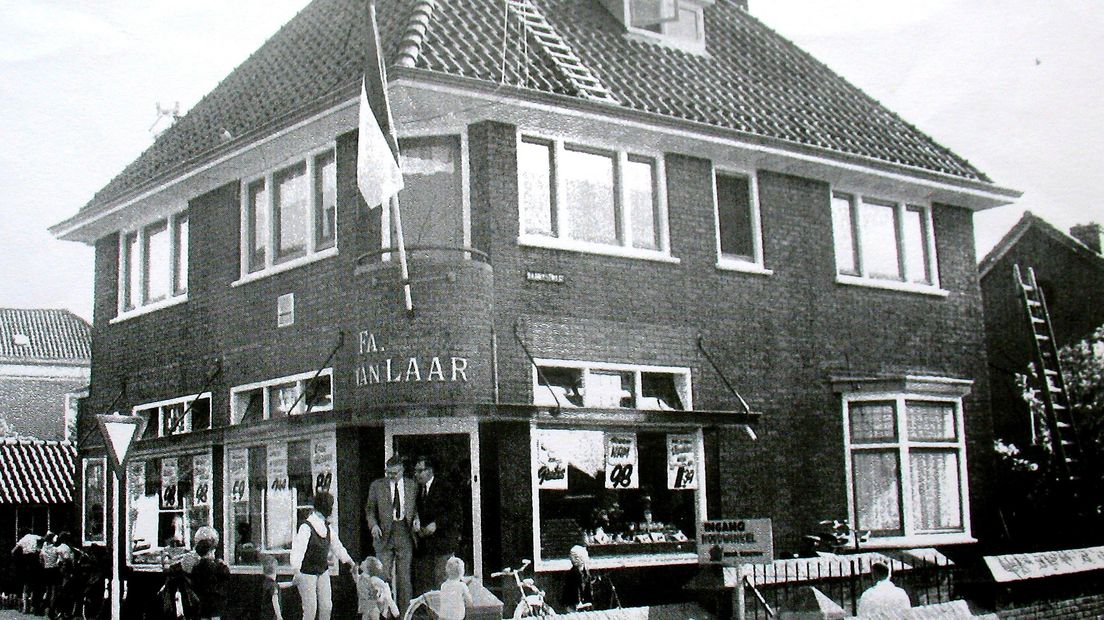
(454, 446)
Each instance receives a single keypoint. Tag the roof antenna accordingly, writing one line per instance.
(173, 112)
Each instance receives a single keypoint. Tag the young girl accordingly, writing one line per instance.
(455, 595)
(374, 598)
(270, 591)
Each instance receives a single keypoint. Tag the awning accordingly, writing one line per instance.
(34, 471)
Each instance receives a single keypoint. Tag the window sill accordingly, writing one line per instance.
(282, 267)
(621, 561)
(918, 540)
(536, 241)
(146, 309)
(890, 285)
(734, 264)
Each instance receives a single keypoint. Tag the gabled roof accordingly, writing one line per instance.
(751, 80)
(40, 335)
(33, 471)
(1028, 222)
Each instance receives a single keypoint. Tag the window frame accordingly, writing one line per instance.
(189, 533)
(313, 249)
(665, 35)
(903, 446)
(102, 460)
(748, 264)
(557, 238)
(162, 405)
(128, 260)
(904, 282)
(300, 379)
(540, 394)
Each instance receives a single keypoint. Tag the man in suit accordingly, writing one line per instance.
(391, 510)
(438, 527)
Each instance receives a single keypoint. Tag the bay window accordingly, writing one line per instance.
(153, 265)
(606, 385)
(581, 198)
(289, 215)
(883, 243)
(168, 499)
(432, 198)
(269, 491)
(906, 463)
(279, 398)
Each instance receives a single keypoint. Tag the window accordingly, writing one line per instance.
(739, 236)
(168, 499)
(175, 416)
(611, 386)
(882, 241)
(289, 215)
(906, 457)
(279, 398)
(94, 501)
(153, 265)
(268, 494)
(626, 494)
(432, 198)
(677, 22)
(579, 198)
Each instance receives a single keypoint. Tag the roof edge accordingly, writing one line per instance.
(1014, 234)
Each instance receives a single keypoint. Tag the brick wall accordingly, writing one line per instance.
(1091, 606)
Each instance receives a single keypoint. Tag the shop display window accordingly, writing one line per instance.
(622, 494)
(168, 499)
(269, 494)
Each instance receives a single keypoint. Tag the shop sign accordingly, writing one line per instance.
(392, 368)
(622, 468)
(170, 483)
(545, 276)
(682, 461)
(1017, 566)
(201, 480)
(735, 541)
(323, 463)
(239, 475)
(550, 467)
(277, 466)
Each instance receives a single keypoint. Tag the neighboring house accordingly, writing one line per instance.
(1070, 271)
(617, 219)
(45, 357)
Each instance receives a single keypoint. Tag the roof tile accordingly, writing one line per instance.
(33, 471)
(56, 335)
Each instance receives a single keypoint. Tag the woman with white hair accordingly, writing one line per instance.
(578, 591)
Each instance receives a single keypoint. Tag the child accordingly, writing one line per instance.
(270, 591)
(374, 598)
(455, 595)
(209, 580)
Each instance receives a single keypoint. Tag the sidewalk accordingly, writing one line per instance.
(14, 614)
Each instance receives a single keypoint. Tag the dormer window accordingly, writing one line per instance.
(678, 23)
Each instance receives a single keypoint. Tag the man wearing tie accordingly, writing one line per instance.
(391, 510)
(438, 527)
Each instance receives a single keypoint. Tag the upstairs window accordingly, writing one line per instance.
(739, 233)
(580, 198)
(611, 386)
(883, 241)
(283, 397)
(289, 215)
(176, 416)
(433, 202)
(153, 265)
(679, 23)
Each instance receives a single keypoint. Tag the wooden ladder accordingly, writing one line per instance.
(559, 52)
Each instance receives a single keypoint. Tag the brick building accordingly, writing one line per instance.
(1070, 271)
(623, 225)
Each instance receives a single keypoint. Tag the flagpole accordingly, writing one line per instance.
(401, 246)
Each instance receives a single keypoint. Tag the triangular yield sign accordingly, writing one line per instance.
(120, 431)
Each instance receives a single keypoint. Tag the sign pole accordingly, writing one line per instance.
(116, 606)
(119, 432)
(741, 600)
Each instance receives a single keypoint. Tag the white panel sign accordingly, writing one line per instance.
(239, 475)
(682, 461)
(201, 480)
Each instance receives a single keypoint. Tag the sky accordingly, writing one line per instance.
(1012, 85)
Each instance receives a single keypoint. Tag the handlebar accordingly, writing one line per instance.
(511, 572)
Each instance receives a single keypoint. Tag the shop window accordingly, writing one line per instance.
(168, 499)
(907, 465)
(883, 242)
(279, 398)
(626, 495)
(94, 501)
(289, 215)
(175, 416)
(269, 489)
(593, 200)
(610, 386)
(153, 265)
(739, 237)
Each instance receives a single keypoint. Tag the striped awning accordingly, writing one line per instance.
(34, 471)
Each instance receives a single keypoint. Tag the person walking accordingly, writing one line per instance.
(313, 550)
(390, 510)
(437, 531)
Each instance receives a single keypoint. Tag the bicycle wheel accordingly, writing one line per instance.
(422, 607)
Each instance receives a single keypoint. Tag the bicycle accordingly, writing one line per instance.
(532, 603)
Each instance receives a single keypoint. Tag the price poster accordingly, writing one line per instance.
(201, 480)
(170, 483)
(550, 466)
(136, 480)
(323, 463)
(277, 466)
(682, 461)
(622, 467)
(239, 475)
